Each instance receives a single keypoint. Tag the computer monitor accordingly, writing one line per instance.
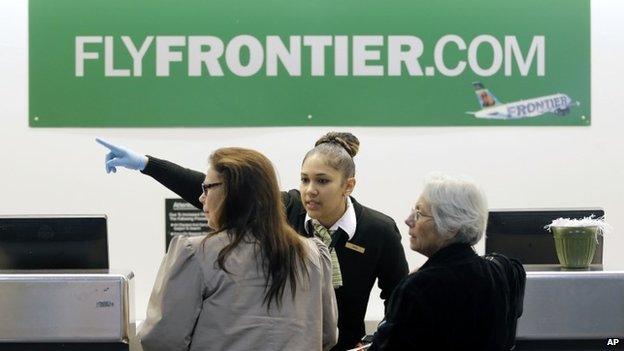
(53, 242)
(520, 233)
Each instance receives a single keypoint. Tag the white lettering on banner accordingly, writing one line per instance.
(210, 57)
(109, 65)
(317, 44)
(290, 58)
(233, 55)
(341, 55)
(537, 48)
(497, 57)
(438, 55)
(396, 54)
(137, 55)
(357, 55)
(164, 55)
(362, 54)
(81, 55)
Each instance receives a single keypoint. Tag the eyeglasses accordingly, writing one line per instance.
(418, 215)
(206, 187)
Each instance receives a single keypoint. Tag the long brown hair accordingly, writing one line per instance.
(252, 205)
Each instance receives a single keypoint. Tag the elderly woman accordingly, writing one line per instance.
(457, 300)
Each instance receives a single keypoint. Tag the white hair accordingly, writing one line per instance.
(458, 207)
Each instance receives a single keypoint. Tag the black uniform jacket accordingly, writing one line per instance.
(374, 251)
(456, 301)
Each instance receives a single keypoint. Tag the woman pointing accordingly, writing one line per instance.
(365, 244)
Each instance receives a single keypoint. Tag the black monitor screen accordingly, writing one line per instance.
(520, 234)
(60, 242)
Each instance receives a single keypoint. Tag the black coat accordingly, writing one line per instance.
(455, 301)
(383, 257)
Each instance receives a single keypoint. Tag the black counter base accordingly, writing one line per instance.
(64, 347)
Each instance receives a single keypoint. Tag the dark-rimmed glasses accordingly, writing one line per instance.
(206, 187)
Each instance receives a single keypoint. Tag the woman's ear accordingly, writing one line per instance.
(350, 185)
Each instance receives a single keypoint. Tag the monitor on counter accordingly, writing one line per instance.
(520, 233)
(53, 242)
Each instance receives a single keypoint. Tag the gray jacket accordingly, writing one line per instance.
(197, 306)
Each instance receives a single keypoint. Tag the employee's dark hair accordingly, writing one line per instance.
(252, 205)
(338, 150)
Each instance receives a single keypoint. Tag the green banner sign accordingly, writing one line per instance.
(160, 63)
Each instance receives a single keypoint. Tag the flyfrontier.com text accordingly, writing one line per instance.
(312, 55)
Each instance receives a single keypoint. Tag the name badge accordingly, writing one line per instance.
(355, 247)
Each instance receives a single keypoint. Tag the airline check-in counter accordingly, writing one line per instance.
(572, 310)
(56, 291)
(66, 310)
(563, 309)
(89, 307)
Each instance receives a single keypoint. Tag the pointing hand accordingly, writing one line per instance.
(120, 156)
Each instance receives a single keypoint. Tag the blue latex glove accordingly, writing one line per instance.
(119, 156)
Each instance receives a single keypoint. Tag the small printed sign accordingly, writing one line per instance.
(182, 218)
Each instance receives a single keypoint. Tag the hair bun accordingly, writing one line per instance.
(347, 141)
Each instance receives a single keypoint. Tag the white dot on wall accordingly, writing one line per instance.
(309, 116)
(583, 117)
(36, 118)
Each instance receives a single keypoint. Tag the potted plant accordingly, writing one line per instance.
(576, 240)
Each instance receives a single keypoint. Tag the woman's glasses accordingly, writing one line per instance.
(206, 187)
(418, 215)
